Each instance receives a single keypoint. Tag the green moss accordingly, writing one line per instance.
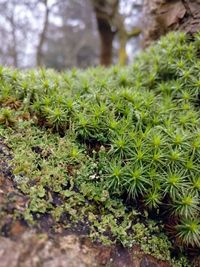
(111, 148)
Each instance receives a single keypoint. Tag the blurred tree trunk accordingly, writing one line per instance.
(124, 37)
(162, 16)
(111, 22)
(106, 37)
(105, 12)
(14, 42)
(42, 34)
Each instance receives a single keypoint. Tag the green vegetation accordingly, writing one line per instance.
(117, 149)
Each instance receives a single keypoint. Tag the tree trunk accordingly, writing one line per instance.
(162, 16)
(42, 35)
(122, 49)
(108, 18)
(105, 12)
(106, 37)
(123, 38)
(13, 51)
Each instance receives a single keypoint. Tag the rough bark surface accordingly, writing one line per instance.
(162, 16)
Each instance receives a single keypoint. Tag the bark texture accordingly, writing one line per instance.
(162, 16)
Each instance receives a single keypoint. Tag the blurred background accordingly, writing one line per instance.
(63, 34)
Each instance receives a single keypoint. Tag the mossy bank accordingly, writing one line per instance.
(113, 153)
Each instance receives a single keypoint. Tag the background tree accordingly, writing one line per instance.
(13, 32)
(72, 38)
(111, 22)
(42, 35)
(65, 33)
(105, 12)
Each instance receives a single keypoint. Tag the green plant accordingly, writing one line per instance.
(186, 205)
(98, 144)
(136, 181)
(174, 183)
(189, 231)
(7, 117)
(153, 199)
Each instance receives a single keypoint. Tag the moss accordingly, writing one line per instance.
(107, 151)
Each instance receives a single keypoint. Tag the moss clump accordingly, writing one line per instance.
(111, 141)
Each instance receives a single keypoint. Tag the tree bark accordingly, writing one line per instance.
(42, 35)
(162, 16)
